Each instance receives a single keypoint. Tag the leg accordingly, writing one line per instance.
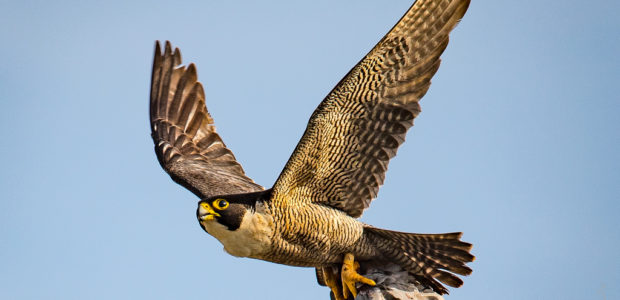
(350, 276)
(330, 276)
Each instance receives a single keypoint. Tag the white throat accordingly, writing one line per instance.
(251, 239)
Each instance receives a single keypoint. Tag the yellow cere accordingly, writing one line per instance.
(210, 210)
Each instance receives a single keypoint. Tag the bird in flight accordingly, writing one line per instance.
(309, 217)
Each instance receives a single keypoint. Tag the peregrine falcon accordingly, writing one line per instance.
(309, 217)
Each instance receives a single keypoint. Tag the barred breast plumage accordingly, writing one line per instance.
(331, 233)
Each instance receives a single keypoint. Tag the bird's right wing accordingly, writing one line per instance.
(342, 157)
(186, 143)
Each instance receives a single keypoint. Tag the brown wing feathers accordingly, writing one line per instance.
(342, 157)
(186, 143)
(429, 257)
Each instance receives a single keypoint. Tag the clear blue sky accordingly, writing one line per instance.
(517, 145)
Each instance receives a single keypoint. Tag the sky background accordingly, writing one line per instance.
(517, 145)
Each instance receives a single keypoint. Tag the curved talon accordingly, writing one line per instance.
(350, 276)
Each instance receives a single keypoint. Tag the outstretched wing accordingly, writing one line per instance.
(343, 155)
(186, 144)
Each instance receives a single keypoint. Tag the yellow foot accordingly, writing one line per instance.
(350, 276)
(330, 276)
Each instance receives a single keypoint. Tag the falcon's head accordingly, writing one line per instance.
(240, 222)
(222, 211)
(228, 210)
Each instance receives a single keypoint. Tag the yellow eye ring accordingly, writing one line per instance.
(220, 204)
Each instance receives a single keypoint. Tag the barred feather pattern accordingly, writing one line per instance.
(311, 235)
(431, 258)
(343, 155)
(186, 143)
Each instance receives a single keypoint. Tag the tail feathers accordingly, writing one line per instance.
(431, 258)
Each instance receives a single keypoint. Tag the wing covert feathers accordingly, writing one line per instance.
(186, 143)
(343, 155)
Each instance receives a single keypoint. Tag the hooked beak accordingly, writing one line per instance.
(206, 212)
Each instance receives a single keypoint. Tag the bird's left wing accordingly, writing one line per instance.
(342, 157)
(186, 143)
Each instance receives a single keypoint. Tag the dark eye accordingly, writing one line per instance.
(220, 204)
